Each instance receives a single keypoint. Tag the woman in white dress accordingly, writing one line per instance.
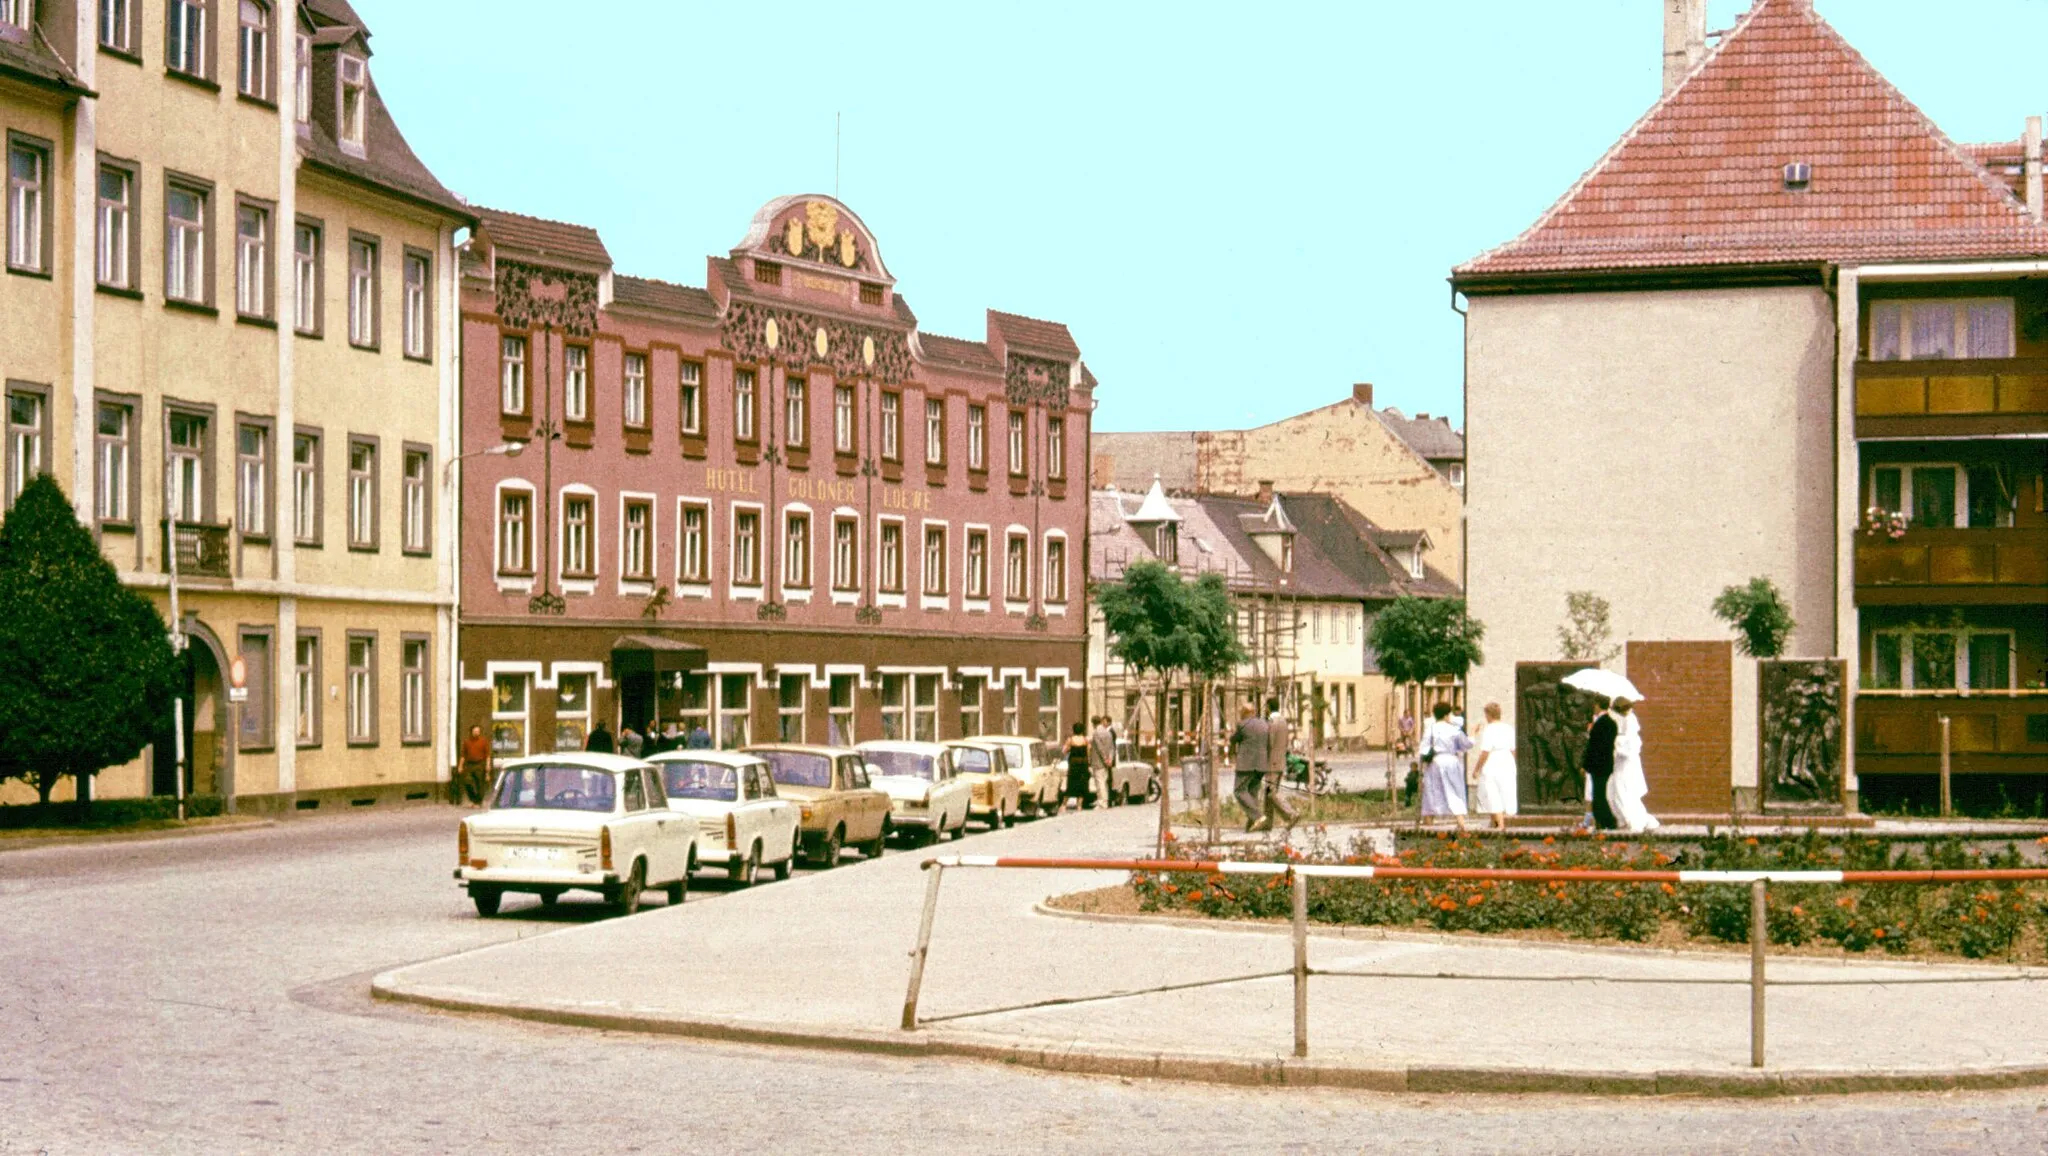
(1495, 769)
(1626, 790)
(1443, 777)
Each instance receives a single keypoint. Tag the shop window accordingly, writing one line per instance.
(789, 710)
(508, 715)
(572, 711)
(839, 711)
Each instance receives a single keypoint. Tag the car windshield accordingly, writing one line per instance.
(701, 781)
(908, 763)
(799, 768)
(972, 761)
(556, 788)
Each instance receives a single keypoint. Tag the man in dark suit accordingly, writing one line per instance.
(1599, 764)
(1248, 744)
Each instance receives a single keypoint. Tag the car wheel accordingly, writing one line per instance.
(1007, 818)
(744, 870)
(628, 901)
(783, 865)
(486, 900)
(1152, 789)
(872, 849)
(828, 849)
(547, 898)
(680, 889)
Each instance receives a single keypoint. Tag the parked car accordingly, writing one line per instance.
(1038, 770)
(742, 821)
(576, 822)
(838, 807)
(1130, 777)
(927, 798)
(996, 791)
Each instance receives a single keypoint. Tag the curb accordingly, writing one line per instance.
(1234, 1070)
(31, 843)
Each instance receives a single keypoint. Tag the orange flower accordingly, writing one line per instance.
(1798, 910)
(1172, 838)
(1751, 840)
(1168, 888)
(1475, 901)
(1669, 889)
(1194, 897)
(1846, 901)
(1550, 839)
(1879, 933)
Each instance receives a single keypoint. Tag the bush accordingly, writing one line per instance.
(109, 813)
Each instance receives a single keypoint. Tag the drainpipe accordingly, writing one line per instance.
(2031, 166)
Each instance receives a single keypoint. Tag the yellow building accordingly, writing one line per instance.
(227, 322)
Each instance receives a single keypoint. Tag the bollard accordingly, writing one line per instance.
(1947, 800)
(1300, 964)
(1758, 928)
(924, 944)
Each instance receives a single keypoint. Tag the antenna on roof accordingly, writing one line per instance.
(835, 156)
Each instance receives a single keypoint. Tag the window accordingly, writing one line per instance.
(417, 513)
(1943, 328)
(934, 432)
(1055, 578)
(260, 711)
(28, 411)
(1931, 495)
(1011, 695)
(509, 699)
(1315, 619)
(515, 532)
(576, 533)
(796, 414)
(789, 708)
(185, 38)
(114, 461)
(895, 706)
(576, 382)
(796, 550)
(1017, 568)
(935, 560)
(972, 687)
(634, 406)
(306, 278)
(114, 249)
(414, 710)
(734, 708)
(1016, 443)
(768, 272)
(362, 494)
(117, 25)
(362, 292)
(354, 102)
(188, 453)
(839, 711)
(842, 419)
(252, 51)
(306, 489)
(28, 168)
(572, 711)
(1456, 474)
(185, 244)
(252, 260)
(744, 404)
(302, 80)
(694, 544)
(637, 565)
(1942, 659)
(252, 479)
(416, 312)
(692, 407)
(1415, 567)
(977, 564)
(977, 437)
(693, 700)
(870, 293)
(17, 13)
(306, 672)
(892, 426)
(746, 547)
(1049, 687)
(1055, 448)
(362, 688)
(845, 554)
(890, 566)
(512, 375)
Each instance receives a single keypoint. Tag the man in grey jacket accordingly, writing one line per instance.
(1278, 739)
(1248, 746)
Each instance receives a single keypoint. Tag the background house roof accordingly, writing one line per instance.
(1432, 437)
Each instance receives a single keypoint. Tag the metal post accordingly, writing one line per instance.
(178, 744)
(1947, 800)
(177, 629)
(1300, 964)
(227, 783)
(1757, 931)
(924, 943)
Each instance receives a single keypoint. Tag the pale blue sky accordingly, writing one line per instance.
(1238, 209)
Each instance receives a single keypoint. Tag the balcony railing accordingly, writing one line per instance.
(202, 550)
(2000, 565)
(1993, 394)
(1988, 731)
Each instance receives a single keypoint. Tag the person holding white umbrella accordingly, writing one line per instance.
(1602, 739)
(1627, 788)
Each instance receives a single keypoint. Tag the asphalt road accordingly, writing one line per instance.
(210, 994)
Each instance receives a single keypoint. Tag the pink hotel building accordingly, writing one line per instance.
(770, 507)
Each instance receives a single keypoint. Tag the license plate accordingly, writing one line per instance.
(534, 854)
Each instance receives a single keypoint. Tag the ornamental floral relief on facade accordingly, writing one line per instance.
(795, 339)
(534, 297)
(1037, 379)
(814, 235)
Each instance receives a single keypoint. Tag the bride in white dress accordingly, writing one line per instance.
(1628, 786)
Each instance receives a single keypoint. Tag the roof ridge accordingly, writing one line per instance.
(532, 217)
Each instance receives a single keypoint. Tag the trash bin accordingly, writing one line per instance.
(1194, 777)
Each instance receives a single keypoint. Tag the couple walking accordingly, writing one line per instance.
(1444, 779)
(1259, 747)
(1615, 783)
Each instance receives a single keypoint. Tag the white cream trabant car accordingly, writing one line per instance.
(741, 822)
(996, 791)
(576, 821)
(926, 795)
(1042, 774)
(1131, 778)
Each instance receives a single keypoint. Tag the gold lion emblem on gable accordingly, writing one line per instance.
(821, 223)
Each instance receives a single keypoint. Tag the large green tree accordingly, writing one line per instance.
(1418, 639)
(86, 667)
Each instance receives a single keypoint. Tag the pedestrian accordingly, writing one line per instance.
(1629, 785)
(1496, 769)
(1279, 740)
(1102, 753)
(1080, 786)
(1599, 764)
(1248, 754)
(1443, 767)
(630, 742)
(1404, 741)
(472, 779)
(671, 736)
(599, 739)
(699, 738)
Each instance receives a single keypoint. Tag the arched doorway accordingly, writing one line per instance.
(209, 749)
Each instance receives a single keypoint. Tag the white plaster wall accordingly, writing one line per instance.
(1654, 448)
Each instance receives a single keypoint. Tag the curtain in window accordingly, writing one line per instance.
(1934, 330)
(1989, 332)
(1934, 497)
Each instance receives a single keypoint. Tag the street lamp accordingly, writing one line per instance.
(502, 449)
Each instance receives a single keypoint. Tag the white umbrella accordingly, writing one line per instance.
(1605, 683)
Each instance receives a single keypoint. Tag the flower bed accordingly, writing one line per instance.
(1976, 922)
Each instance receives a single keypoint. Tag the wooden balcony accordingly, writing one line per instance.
(1989, 732)
(1953, 567)
(1951, 398)
(203, 550)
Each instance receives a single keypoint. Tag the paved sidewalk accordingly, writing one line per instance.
(823, 961)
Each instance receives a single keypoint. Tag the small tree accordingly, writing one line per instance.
(1421, 638)
(1585, 633)
(86, 669)
(1758, 614)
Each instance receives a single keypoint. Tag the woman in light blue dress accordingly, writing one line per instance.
(1443, 776)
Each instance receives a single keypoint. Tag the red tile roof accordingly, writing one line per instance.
(954, 351)
(664, 296)
(1699, 180)
(1032, 335)
(545, 238)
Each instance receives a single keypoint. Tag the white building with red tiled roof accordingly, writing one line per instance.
(1783, 297)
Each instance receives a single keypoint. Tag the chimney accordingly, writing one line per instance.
(1361, 393)
(2032, 165)
(1265, 491)
(1685, 39)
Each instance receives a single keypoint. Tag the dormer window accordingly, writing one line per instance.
(355, 102)
(302, 80)
(1415, 562)
(1166, 543)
